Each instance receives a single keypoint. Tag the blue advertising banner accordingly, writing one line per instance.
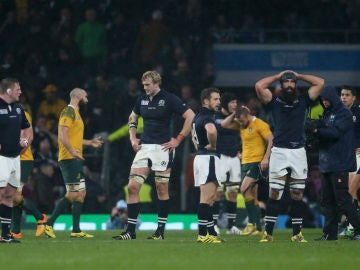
(243, 65)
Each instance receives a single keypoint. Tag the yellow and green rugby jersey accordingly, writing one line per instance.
(27, 154)
(71, 118)
(253, 141)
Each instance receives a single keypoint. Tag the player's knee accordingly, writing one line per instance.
(296, 194)
(162, 178)
(297, 189)
(276, 189)
(137, 178)
(232, 195)
(274, 194)
(18, 198)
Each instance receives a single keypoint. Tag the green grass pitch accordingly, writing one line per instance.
(179, 250)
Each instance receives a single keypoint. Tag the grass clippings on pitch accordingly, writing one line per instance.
(179, 250)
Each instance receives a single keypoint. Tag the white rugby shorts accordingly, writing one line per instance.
(10, 171)
(207, 168)
(282, 159)
(152, 155)
(232, 166)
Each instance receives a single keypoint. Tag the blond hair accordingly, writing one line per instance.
(152, 75)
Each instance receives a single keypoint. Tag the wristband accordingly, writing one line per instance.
(132, 125)
(180, 137)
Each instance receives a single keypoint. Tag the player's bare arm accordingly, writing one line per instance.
(317, 84)
(188, 115)
(229, 122)
(264, 164)
(26, 137)
(262, 88)
(95, 143)
(132, 123)
(64, 138)
(211, 136)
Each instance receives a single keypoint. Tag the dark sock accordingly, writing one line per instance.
(5, 217)
(356, 204)
(63, 204)
(250, 207)
(76, 212)
(272, 212)
(231, 213)
(30, 207)
(210, 225)
(163, 212)
(16, 217)
(296, 214)
(133, 213)
(203, 213)
(257, 216)
(216, 210)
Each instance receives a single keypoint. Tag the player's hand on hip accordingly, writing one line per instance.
(170, 145)
(76, 155)
(135, 144)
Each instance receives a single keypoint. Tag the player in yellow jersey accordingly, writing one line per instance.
(20, 203)
(256, 139)
(71, 142)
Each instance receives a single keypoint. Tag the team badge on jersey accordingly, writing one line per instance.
(161, 102)
(3, 111)
(18, 110)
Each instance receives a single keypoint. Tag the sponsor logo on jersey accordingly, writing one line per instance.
(3, 111)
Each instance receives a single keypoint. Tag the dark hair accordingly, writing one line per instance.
(206, 93)
(349, 88)
(226, 98)
(7, 83)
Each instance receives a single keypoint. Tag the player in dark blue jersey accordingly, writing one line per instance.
(348, 98)
(228, 145)
(207, 168)
(155, 150)
(288, 156)
(13, 123)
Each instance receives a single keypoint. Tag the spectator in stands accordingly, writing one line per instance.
(91, 37)
(149, 40)
(51, 106)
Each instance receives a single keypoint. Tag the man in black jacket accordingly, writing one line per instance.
(336, 160)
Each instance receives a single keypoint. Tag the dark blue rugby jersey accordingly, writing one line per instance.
(289, 120)
(157, 114)
(228, 142)
(203, 117)
(11, 122)
(355, 110)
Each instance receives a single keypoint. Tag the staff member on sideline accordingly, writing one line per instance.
(12, 121)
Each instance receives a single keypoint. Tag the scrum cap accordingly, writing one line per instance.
(288, 76)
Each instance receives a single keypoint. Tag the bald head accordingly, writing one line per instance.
(76, 92)
(78, 95)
